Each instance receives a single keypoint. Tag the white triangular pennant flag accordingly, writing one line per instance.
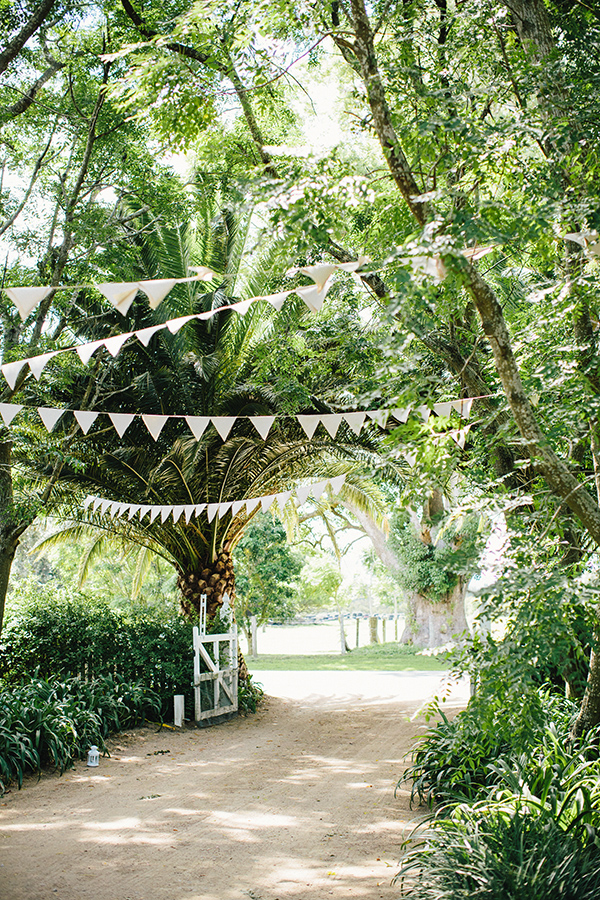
(8, 411)
(200, 507)
(12, 370)
(37, 363)
(104, 505)
(121, 421)
(133, 510)
(189, 510)
(223, 424)
(177, 513)
(85, 418)
(175, 325)
(313, 296)
(424, 412)
(443, 409)
(251, 504)
(380, 416)
(355, 420)
(303, 493)
(282, 498)
(319, 273)
(123, 508)
(89, 499)
(263, 425)
(114, 344)
(354, 266)
(114, 508)
(144, 510)
(410, 458)
(157, 289)
(224, 508)
(236, 507)
(266, 501)
(155, 424)
(243, 306)
(401, 415)
(86, 351)
(309, 424)
(318, 488)
(49, 416)
(211, 510)
(332, 422)
(336, 483)
(463, 407)
(96, 503)
(120, 294)
(165, 512)
(154, 512)
(145, 334)
(197, 425)
(203, 273)
(27, 298)
(277, 300)
(460, 436)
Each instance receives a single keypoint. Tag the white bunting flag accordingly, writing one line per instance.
(313, 296)
(155, 424)
(263, 425)
(49, 416)
(119, 294)
(12, 370)
(319, 273)
(8, 411)
(121, 421)
(410, 458)
(85, 419)
(303, 493)
(203, 273)
(267, 501)
(282, 498)
(424, 412)
(37, 363)
(114, 508)
(104, 506)
(243, 306)
(197, 425)
(96, 503)
(236, 507)
(379, 416)
(211, 510)
(175, 325)
(223, 424)
(224, 509)
(114, 344)
(157, 289)
(200, 507)
(86, 351)
(332, 423)
(252, 504)
(401, 415)
(460, 436)
(189, 510)
(133, 510)
(318, 488)
(336, 483)
(144, 335)
(165, 512)
(27, 298)
(144, 510)
(309, 424)
(154, 511)
(89, 499)
(277, 300)
(354, 266)
(443, 409)
(355, 420)
(463, 407)
(177, 513)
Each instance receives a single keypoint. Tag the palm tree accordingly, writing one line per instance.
(206, 369)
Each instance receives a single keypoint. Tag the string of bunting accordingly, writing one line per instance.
(190, 510)
(223, 424)
(313, 296)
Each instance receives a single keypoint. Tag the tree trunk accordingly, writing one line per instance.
(431, 623)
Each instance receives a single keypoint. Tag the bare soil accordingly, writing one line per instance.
(296, 801)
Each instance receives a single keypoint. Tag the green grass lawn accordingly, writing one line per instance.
(380, 657)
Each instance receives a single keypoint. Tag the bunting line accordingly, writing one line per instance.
(116, 509)
(50, 416)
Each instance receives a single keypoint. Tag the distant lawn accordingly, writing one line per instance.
(380, 657)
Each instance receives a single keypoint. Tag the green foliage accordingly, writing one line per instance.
(54, 721)
(250, 694)
(266, 568)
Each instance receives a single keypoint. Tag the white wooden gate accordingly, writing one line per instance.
(215, 673)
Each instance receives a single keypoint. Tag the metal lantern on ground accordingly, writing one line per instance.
(93, 756)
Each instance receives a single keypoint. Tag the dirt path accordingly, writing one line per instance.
(294, 802)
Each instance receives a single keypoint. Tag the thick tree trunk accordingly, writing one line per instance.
(9, 531)
(432, 623)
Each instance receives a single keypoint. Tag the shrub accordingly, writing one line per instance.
(49, 721)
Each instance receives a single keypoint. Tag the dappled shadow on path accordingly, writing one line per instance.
(295, 802)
